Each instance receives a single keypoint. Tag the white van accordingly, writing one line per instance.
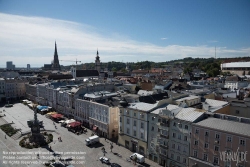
(140, 158)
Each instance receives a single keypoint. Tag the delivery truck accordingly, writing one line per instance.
(92, 140)
(139, 158)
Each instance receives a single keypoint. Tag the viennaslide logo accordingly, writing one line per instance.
(237, 156)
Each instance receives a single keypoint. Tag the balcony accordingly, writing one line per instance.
(162, 145)
(165, 136)
(164, 154)
(164, 124)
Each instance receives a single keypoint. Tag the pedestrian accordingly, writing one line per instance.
(105, 138)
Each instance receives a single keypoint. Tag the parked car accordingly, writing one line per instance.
(104, 160)
(115, 165)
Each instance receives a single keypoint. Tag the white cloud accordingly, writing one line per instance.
(164, 38)
(30, 40)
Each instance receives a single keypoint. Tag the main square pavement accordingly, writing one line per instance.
(71, 142)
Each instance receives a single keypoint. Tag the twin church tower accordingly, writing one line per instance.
(56, 66)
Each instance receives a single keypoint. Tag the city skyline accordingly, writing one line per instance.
(128, 31)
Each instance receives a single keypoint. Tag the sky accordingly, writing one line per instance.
(124, 31)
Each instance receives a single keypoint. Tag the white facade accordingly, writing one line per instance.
(101, 116)
(14, 88)
(180, 136)
(233, 85)
(42, 94)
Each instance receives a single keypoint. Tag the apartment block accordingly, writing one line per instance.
(215, 141)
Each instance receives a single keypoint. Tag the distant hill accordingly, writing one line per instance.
(209, 65)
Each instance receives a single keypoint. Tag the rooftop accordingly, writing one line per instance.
(225, 125)
(189, 114)
(188, 98)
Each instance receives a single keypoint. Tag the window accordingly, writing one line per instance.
(134, 133)
(179, 136)
(142, 136)
(206, 145)
(217, 136)
(205, 157)
(216, 160)
(127, 130)
(174, 124)
(134, 114)
(237, 111)
(152, 128)
(184, 160)
(179, 147)
(195, 153)
(197, 131)
(229, 139)
(127, 112)
(153, 118)
(178, 158)
(134, 122)
(196, 142)
(206, 134)
(173, 135)
(142, 115)
(242, 142)
(120, 119)
(173, 146)
(127, 120)
(180, 125)
(142, 125)
(216, 148)
(172, 156)
(185, 138)
(186, 127)
(184, 149)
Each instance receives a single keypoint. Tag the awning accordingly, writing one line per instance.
(75, 124)
(95, 127)
(57, 116)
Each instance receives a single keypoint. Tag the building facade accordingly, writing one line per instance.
(213, 139)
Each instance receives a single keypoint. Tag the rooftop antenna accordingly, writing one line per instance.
(215, 52)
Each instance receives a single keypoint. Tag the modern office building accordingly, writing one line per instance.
(10, 65)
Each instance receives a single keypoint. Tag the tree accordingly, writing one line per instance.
(114, 69)
(187, 70)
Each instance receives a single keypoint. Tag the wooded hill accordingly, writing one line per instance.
(209, 65)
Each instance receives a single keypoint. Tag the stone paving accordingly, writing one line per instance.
(71, 142)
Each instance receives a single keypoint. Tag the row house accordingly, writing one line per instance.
(220, 142)
(65, 105)
(14, 88)
(101, 118)
(41, 98)
(158, 134)
(31, 92)
(180, 134)
(133, 132)
(2, 89)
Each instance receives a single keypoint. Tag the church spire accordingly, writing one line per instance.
(55, 53)
(55, 65)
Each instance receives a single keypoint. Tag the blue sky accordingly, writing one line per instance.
(131, 30)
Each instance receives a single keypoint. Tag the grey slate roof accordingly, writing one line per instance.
(189, 114)
(226, 125)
